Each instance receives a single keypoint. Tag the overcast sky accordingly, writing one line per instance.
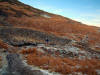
(85, 11)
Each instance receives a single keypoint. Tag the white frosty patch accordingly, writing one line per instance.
(46, 72)
(77, 66)
(46, 16)
(41, 50)
(41, 45)
(77, 73)
(72, 49)
(98, 72)
(81, 57)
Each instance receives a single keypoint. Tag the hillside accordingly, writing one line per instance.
(36, 42)
(17, 14)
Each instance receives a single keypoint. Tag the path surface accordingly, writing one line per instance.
(13, 64)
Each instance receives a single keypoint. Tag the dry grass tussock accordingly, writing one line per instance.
(61, 65)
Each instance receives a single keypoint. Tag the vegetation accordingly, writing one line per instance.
(25, 24)
(3, 45)
(62, 65)
(24, 16)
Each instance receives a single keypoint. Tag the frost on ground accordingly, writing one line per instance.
(46, 16)
(68, 51)
(98, 71)
(15, 66)
(76, 61)
(45, 72)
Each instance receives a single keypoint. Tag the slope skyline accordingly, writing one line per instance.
(85, 11)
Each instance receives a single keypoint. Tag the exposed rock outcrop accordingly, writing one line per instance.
(19, 36)
(16, 66)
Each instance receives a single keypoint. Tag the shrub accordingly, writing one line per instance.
(3, 45)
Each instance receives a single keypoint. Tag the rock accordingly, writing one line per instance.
(21, 36)
(17, 67)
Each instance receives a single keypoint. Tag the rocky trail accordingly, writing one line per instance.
(68, 51)
(13, 64)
